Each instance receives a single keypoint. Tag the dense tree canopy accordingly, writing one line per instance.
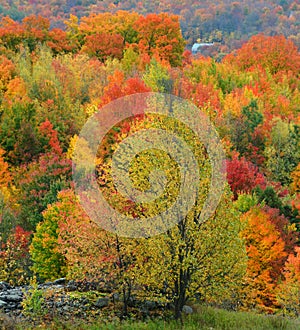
(53, 80)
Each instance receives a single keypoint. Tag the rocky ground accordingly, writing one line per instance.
(69, 300)
(58, 299)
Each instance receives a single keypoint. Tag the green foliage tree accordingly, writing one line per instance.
(48, 262)
(283, 151)
(196, 261)
(19, 134)
(245, 202)
(242, 130)
(33, 302)
(130, 61)
(157, 78)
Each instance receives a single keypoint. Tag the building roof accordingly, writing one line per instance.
(196, 46)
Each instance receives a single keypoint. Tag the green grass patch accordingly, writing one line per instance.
(206, 318)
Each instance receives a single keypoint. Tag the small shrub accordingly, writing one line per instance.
(33, 302)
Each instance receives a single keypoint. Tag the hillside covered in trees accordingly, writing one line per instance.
(227, 23)
(246, 256)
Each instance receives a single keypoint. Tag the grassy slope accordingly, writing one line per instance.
(205, 318)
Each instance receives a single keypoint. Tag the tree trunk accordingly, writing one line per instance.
(181, 295)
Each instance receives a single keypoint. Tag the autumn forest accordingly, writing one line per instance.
(60, 64)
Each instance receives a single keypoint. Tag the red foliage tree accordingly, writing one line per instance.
(119, 87)
(243, 176)
(40, 181)
(46, 129)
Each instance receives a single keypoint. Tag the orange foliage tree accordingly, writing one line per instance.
(104, 45)
(160, 37)
(82, 242)
(272, 53)
(266, 258)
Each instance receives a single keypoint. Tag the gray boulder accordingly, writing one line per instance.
(4, 286)
(11, 298)
(187, 309)
(60, 281)
(2, 303)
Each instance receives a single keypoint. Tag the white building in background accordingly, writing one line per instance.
(197, 46)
